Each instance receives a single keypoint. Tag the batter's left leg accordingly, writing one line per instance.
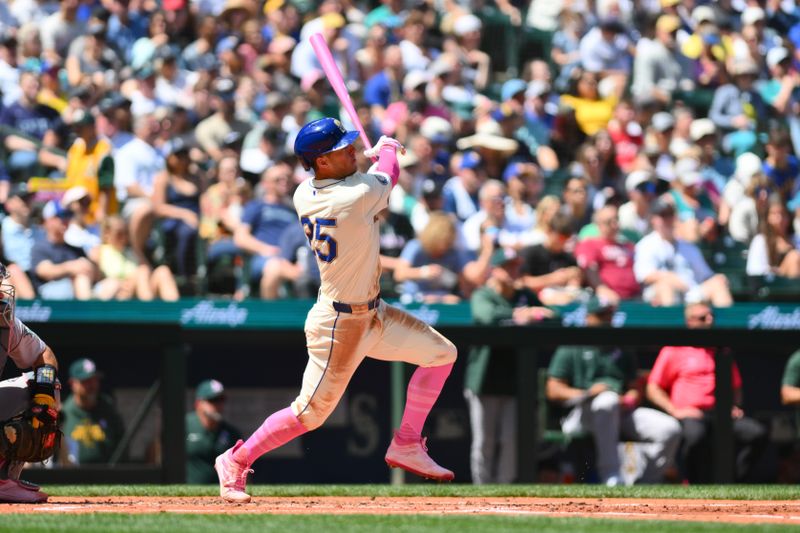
(406, 338)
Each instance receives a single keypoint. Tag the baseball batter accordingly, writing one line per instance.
(338, 209)
(28, 403)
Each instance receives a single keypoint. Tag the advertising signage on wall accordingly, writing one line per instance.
(291, 314)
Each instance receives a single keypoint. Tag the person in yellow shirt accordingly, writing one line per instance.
(592, 112)
(89, 164)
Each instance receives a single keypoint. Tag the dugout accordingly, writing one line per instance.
(259, 355)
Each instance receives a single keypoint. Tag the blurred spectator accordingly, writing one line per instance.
(592, 111)
(607, 260)
(60, 29)
(61, 271)
(576, 203)
(606, 48)
(775, 250)
(81, 232)
(493, 216)
(124, 277)
(695, 212)
(222, 205)
(525, 184)
(672, 270)
(33, 129)
(548, 269)
(659, 68)
(492, 144)
(211, 132)
(385, 86)
(790, 383)
(682, 384)
(263, 222)
(430, 267)
(91, 61)
(747, 212)
(626, 134)
(748, 166)
(90, 165)
(207, 432)
(634, 215)
(598, 388)
(477, 63)
(490, 378)
(176, 202)
(92, 426)
(565, 52)
(781, 166)
(136, 165)
(737, 109)
(461, 191)
(19, 234)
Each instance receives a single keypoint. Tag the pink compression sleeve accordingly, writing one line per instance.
(387, 163)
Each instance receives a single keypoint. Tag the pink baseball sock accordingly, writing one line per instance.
(423, 391)
(278, 429)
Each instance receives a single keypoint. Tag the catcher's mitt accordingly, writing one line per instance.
(32, 437)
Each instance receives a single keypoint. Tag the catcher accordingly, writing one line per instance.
(28, 404)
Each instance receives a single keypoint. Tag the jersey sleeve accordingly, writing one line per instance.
(791, 374)
(561, 364)
(26, 346)
(376, 198)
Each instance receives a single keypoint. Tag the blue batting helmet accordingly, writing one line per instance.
(320, 137)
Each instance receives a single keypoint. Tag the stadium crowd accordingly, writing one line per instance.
(635, 149)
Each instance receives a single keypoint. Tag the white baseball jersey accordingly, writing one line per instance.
(339, 217)
(25, 345)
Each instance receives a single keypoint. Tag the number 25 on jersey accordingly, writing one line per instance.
(324, 245)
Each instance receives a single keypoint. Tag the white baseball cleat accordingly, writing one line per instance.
(232, 476)
(13, 491)
(414, 458)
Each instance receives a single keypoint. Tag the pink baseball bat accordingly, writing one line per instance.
(337, 83)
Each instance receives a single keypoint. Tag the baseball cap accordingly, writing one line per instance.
(82, 369)
(747, 165)
(53, 209)
(751, 15)
(662, 121)
(703, 14)
(466, 24)
(333, 21)
(636, 178)
(613, 24)
(776, 55)
(436, 129)
(701, 127)
(414, 79)
(669, 3)
(73, 194)
(668, 23)
(209, 390)
(470, 160)
(502, 255)
(511, 88)
(225, 88)
(407, 159)
(276, 99)
(431, 188)
(684, 165)
(689, 179)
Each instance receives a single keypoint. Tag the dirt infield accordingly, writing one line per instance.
(732, 511)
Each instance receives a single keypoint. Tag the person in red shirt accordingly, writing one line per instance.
(607, 260)
(627, 135)
(682, 384)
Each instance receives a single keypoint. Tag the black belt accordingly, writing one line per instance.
(356, 308)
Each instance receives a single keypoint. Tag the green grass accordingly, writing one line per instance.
(715, 492)
(181, 523)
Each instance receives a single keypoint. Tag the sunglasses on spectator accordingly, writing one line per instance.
(608, 221)
(701, 318)
(577, 190)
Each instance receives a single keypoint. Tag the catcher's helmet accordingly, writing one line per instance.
(320, 137)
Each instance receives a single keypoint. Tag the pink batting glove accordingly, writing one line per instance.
(384, 141)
